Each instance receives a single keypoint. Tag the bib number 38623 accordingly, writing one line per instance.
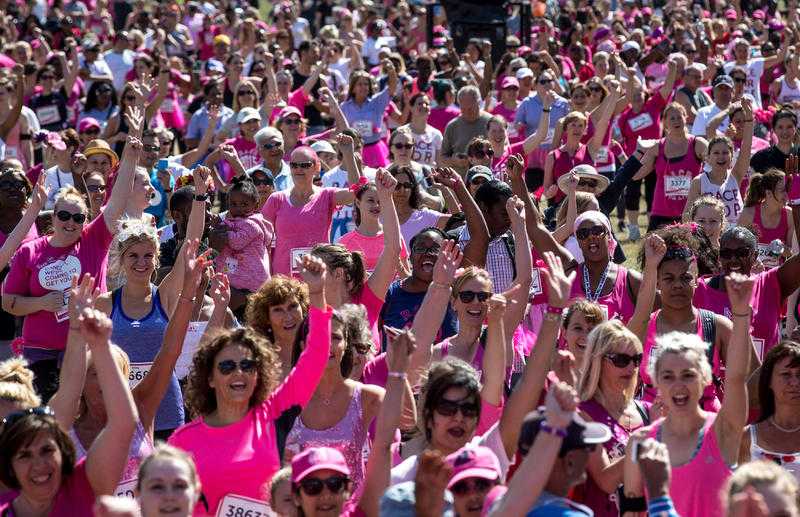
(240, 506)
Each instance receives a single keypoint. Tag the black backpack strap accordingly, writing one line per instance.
(643, 412)
(709, 326)
(511, 247)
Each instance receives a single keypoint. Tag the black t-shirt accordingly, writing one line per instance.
(311, 113)
(770, 157)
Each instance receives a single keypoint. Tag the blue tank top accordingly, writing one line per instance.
(141, 339)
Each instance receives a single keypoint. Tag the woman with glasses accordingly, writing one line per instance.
(703, 446)
(39, 462)
(50, 104)
(135, 93)
(765, 210)
(606, 386)
(101, 103)
(407, 198)
(302, 216)
(427, 139)
(364, 110)
(42, 270)
(236, 396)
(738, 253)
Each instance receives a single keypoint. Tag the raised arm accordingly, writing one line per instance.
(654, 249)
(648, 162)
(596, 142)
(535, 140)
(386, 267)
(496, 356)
(527, 392)
(193, 156)
(517, 294)
(564, 231)
(743, 160)
(335, 109)
(669, 84)
(108, 455)
(22, 228)
(475, 249)
(161, 91)
(400, 347)
(124, 182)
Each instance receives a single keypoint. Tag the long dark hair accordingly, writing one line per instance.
(413, 200)
(450, 373)
(91, 95)
(766, 398)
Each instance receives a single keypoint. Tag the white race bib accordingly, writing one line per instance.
(194, 333)
(766, 257)
(48, 115)
(758, 343)
(601, 156)
(296, 256)
(640, 121)
(364, 128)
(536, 282)
(168, 106)
(677, 186)
(231, 265)
(240, 506)
(138, 372)
(125, 488)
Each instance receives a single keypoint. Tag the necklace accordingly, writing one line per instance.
(587, 286)
(783, 429)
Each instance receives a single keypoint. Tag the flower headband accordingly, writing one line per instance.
(356, 187)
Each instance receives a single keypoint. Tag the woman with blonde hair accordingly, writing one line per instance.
(709, 213)
(16, 386)
(766, 485)
(606, 387)
(171, 467)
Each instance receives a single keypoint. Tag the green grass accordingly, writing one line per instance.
(630, 248)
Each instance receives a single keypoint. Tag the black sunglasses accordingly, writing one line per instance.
(467, 486)
(583, 233)
(96, 188)
(483, 153)
(271, 145)
(468, 296)
(451, 407)
(245, 92)
(403, 146)
(422, 250)
(729, 253)
(740, 80)
(151, 148)
(595, 89)
(16, 416)
(544, 81)
(11, 185)
(292, 121)
(262, 181)
(228, 366)
(65, 216)
(623, 360)
(588, 183)
(404, 185)
(301, 165)
(314, 486)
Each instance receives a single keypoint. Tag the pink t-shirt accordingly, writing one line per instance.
(513, 135)
(74, 497)
(766, 302)
(245, 258)
(239, 459)
(32, 234)
(248, 154)
(645, 124)
(370, 247)
(298, 228)
(440, 117)
(39, 268)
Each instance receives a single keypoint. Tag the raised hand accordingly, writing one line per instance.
(214, 112)
(39, 196)
(194, 266)
(446, 266)
(516, 212)
(228, 152)
(220, 290)
(564, 367)
(96, 328)
(748, 503)
(82, 295)
(385, 182)
(548, 99)
(314, 271)
(447, 176)
(134, 143)
(515, 166)
(560, 404)
(430, 482)
(345, 143)
(52, 301)
(654, 463)
(135, 117)
(551, 191)
(740, 292)
(654, 249)
(401, 344)
(201, 174)
(558, 283)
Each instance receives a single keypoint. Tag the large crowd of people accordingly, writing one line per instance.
(318, 258)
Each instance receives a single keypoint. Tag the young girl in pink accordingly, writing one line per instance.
(248, 238)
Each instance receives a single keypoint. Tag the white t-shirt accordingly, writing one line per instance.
(96, 68)
(754, 69)
(120, 65)
(703, 116)
(492, 439)
(54, 180)
(343, 217)
(426, 145)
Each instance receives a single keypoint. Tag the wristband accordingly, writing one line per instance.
(545, 110)
(201, 197)
(545, 428)
(554, 310)
(745, 315)
(439, 284)
(398, 375)
(630, 504)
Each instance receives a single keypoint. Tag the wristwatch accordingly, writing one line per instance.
(203, 197)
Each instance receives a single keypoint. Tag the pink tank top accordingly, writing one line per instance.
(617, 303)
(711, 398)
(767, 235)
(674, 176)
(349, 435)
(696, 484)
(563, 163)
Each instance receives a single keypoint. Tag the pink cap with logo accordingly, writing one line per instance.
(318, 458)
(473, 462)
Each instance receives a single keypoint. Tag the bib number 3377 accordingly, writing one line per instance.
(240, 506)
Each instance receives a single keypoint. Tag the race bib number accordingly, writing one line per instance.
(231, 265)
(536, 282)
(138, 372)
(364, 128)
(296, 256)
(677, 186)
(63, 314)
(125, 489)
(640, 122)
(48, 114)
(601, 156)
(57, 276)
(168, 106)
(240, 506)
(758, 343)
(770, 261)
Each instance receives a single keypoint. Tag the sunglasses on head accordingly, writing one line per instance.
(729, 253)
(451, 407)
(65, 216)
(301, 165)
(228, 366)
(583, 233)
(483, 153)
(96, 188)
(404, 185)
(468, 296)
(470, 486)
(271, 145)
(314, 486)
(403, 146)
(623, 360)
(11, 185)
(16, 416)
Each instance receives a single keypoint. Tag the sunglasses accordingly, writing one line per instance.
(740, 80)
(245, 92)
(468, 296)
(422, 250)
(403, 146)
(11, 185)
(729, 253)
(293, 121)
(623, 360)
(314, 486)
(65, 216)
(228, 366)
(262, 181)
(104, 90)
(151, 148)
(483, 153)
(471, 486)
(583, 233)
(47, 77)
(271, 145)
(544, 81)
(130, 98)
(404, 185)
(451, 407)
(16, 416)
(96, 188)
(301, 165)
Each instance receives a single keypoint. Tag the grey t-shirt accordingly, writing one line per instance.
(459, 132)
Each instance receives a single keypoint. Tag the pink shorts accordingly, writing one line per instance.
(376, 155)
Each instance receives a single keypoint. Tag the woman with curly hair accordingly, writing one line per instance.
(16, 386)
(235, 392)
(276, 311)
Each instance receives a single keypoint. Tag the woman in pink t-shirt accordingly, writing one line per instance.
(234, 388)
(301, 217)
(497, 131)
(35, 446)
(703, 446)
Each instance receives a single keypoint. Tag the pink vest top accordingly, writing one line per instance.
(617, 303)
(767, 235)
(674, 176)
(696, 485)
(563, 163)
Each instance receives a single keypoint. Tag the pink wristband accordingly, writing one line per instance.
(554, 310)
(552, 430)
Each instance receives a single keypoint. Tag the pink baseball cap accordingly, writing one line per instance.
(318, 458)
(509, 82)
(730, 14)
(759, 14)
(88, 123)
(289, 110)
(473, 462)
